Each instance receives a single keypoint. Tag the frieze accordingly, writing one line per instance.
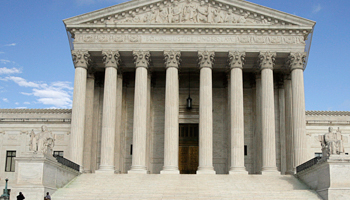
(188, 12)
(236, 39)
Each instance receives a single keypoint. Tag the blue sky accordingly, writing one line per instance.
(36, 70)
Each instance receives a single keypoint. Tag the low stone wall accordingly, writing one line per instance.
(38, 173)
(330, 178)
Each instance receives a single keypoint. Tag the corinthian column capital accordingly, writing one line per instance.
(172, 58)
(267, 60)
(81, 58)
(111, 58)
(142, 58)
(296, 60)
(236, 59)
(206, 59)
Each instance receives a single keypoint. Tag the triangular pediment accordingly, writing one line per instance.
(191, 12)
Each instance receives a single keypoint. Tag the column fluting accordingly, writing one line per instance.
(296, 62)
(171, 125)
(267, 61)
(236, 60)
(111, 61)
(289, 124)
(142, 59)
(206, 60)
(81, 60)
(258, 132)
(89, 114)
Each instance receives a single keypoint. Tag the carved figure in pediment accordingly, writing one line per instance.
(220, 16)
(332, 143)
(212, 12)
(244, 19)
(230, 18)
(42, 142)
(190, 12)
(135, 18)
(164, 14)
(202, 13)
(175, 13)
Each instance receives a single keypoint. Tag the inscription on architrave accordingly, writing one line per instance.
(234, 39)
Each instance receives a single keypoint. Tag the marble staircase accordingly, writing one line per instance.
(155, 187)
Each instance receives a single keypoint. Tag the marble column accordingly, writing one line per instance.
(206, 61)
(89, 114)
(118, 125)
(289, 124)
(236, 61)
(258, 132)
(282, 124)
(111, 62)
(296, 62)
(138, 166)
(267, 62)
(171, 125)
(81, 59)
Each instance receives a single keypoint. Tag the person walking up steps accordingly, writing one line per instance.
(47, 197)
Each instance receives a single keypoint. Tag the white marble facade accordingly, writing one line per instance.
(134, 63)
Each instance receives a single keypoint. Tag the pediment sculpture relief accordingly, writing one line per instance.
(332, 143)
(190, 11)
(42, 142)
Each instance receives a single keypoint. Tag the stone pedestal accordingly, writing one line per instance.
(329, 177)
(39, 173)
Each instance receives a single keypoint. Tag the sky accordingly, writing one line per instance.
(36, 68)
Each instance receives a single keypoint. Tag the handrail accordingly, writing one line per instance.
(67, 162)
(308, 164)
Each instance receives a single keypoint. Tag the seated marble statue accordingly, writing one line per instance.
(332, 143)
(42, 142)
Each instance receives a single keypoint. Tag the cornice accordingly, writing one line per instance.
(328, 113)
(189, 29)
(37, 111)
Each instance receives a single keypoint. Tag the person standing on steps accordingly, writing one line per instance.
(47, 197)
(20, 196)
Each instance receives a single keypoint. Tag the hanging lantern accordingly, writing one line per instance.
(189, 99)
(189, 103)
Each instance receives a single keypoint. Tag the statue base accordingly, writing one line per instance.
(38, 173)
(330, 177)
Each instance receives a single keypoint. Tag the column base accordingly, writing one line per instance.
(170, 172)
(105, 170)
(205, 170)
(238, 170)
(138, 170)
(270, 171)
(290, 172)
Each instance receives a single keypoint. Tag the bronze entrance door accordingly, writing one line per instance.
(188, 148)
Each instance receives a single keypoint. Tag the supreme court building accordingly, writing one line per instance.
(137, 63)
(180, 87)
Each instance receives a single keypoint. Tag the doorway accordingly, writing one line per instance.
(188, 148)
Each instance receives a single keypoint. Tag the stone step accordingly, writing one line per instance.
(125, 186)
